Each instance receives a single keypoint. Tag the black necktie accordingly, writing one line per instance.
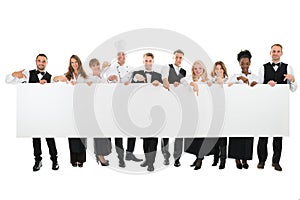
(38, 72)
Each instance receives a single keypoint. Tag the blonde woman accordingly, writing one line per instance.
(199, 76)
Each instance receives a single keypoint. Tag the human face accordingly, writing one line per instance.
(74, 64)
(276, 53)
(41, 63)
(121, 58)
(148, 61)
(178, 57)
(219, 71)
(198, 70)
(96, 68)
(245, 64)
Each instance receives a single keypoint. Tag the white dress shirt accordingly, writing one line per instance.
(14, 80)
(251, 78)
(188, 79)
(261, 75)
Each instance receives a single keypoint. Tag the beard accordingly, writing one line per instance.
(41, 67)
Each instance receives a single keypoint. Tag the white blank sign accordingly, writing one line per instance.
(142, 110)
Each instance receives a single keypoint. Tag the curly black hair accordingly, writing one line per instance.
(244, 54)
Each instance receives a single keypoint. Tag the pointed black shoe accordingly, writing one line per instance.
(37, 166)
(55, 165)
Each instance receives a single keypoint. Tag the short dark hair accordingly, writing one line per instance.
(278, 45)
(41, 54)
(178, 51)
(244, 54)
(149, 54)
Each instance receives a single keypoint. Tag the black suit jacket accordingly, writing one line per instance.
(155, 76)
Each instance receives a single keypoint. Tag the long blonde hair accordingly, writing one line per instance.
(204, 76)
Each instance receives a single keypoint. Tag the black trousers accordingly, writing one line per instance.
(150, 148)
(37, 150)
(220, 148)
(130, 144)
(262, 149)
(165, 148)
(178, 147)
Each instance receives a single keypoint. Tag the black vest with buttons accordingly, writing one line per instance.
(277, 76)
(173, 77)
(33, 77)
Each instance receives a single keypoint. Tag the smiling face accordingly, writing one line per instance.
(219, 71)
(245, 64)
(96, 68)
(74, 64)
(178, 57)
(276, 53)
(41, 63)
(148, 62)
(198, 70)
(121, 58)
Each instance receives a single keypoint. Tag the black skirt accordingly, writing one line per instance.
(102, 146)
(77, 145)
(240, 148)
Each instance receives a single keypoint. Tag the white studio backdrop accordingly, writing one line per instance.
(222, 28)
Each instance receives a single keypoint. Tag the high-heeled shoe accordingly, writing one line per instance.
(194, 163)
(102, 164)
(245, 164)
(222, 164)
(238, 164)
(198, 164)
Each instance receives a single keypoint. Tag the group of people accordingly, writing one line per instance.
(240, 148)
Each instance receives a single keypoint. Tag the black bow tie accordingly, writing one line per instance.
(148, 72)
(38, 72)
(278, 64)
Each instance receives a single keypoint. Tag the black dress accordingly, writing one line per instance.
(77, 150)
(193, 146)
(240, 148)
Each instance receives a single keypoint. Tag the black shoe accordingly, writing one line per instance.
(131, 156)
(198, 164)
(144, 164)
(150, 168)
(80, 164)
(194, 163)
(177, 163)
(245, 165)
(216, 160)
(74, 164)
(239, 165)
(122, 163)
(166, 162)
(277, 166)
(55, 165)
(222, 164)
(261, 165)
(37, 166)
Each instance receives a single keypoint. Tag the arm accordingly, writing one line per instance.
(291, 79)
(17, 77)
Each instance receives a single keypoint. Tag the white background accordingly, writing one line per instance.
(222, 28)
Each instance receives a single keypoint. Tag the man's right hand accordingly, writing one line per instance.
(19, 74)
(272, 83)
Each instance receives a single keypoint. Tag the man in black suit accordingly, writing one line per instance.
(176, 72)
(38, 75)
(148, 76)
(272, 73)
